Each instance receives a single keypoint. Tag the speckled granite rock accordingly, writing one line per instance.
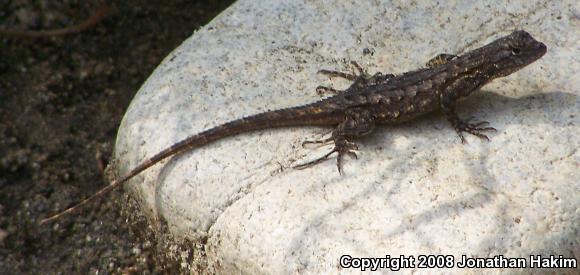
(415, 188)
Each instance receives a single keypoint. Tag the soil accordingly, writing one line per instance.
(61, 101)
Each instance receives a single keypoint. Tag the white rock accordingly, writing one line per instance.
(415, 188)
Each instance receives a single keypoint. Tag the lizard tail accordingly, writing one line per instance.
(297, 116)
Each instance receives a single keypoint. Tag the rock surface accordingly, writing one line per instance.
(415, 189)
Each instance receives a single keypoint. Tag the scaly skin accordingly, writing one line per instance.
(372, 100)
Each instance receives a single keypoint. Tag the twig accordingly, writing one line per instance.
(95, 18)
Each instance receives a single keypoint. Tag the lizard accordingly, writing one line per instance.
(373, 100)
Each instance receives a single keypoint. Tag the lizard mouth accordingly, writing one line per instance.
(538, 51)
(542, 49)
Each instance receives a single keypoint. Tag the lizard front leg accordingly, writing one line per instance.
(460, 126)
(358, 122)
(349, 76)
(360, 80)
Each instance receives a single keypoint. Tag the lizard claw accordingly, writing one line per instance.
(326, 140)
(362, 73)
(342, 147)
(316, 161)
(321, 90)
(346, 148)
(344, 75)
(472, 128)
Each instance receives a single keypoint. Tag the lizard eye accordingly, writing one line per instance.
(515, 50)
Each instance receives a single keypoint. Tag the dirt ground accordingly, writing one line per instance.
(61, 101)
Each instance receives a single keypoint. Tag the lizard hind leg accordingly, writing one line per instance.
(341, 147)
(358, 122)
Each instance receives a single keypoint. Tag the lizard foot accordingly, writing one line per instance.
(350, 76)
(344, 75)
(342, 147)
(472, 128)
(322, 141)
(361, 78)
(321, 90)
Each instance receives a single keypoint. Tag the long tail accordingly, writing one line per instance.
(298, 116)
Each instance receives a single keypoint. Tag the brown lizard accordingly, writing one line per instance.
(376, 99)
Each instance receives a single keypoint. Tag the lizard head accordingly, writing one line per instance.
(496, 59)
(517, 50)
(511, 53)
